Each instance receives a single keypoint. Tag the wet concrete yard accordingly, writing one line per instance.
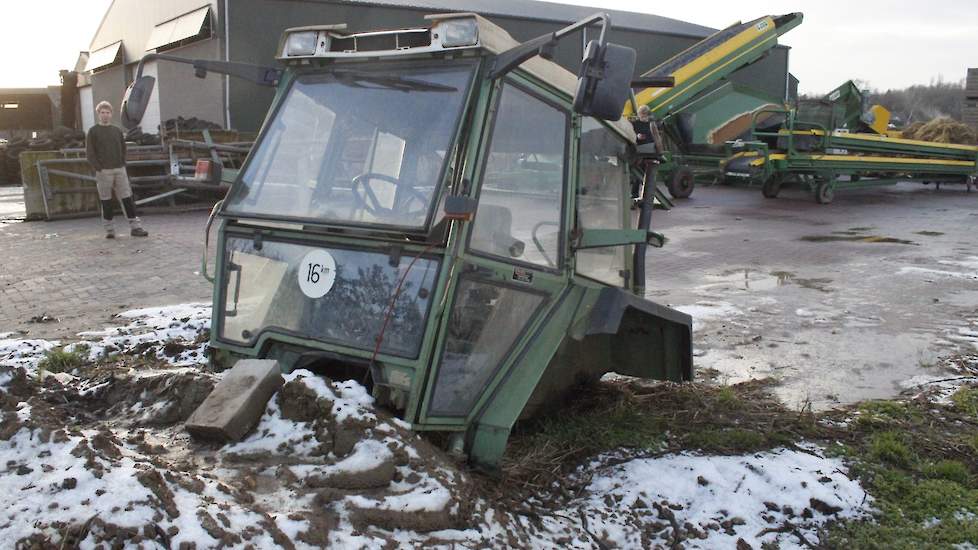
(842, 302)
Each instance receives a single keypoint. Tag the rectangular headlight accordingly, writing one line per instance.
(301, 43)
(458, 32)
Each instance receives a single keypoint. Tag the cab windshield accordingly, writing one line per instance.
(356, 145)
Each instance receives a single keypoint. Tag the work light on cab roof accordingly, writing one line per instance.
(447, 31)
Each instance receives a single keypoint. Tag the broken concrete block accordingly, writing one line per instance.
(236, 404)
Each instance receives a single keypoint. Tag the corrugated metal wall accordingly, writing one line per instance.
(256, 26)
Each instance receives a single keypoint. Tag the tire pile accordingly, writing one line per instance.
(139, 137)
(58, 138)
(192, 123)
(66, 138)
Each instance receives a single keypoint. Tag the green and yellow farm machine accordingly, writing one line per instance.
(838, 143)
(698, 73)
(472, 257)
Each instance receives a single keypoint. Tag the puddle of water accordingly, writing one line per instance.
(971, 262)
(847, 236)
(751, 279)
(754, 280)
(937, 272)
(962, 298)
(824, 371)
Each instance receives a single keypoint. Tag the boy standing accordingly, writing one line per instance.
(106, 150)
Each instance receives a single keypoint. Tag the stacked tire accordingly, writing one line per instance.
(53, 140)
(192, 123)
(11, 160)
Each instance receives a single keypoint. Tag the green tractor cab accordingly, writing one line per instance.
(444, 214)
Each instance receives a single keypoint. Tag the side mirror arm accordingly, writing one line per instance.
(256, 74)
(542, 45)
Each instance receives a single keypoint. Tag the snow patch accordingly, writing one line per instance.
(178, 325)
(426, 496)
(367, 454)
(275, 433)
(705, 490)
(25, 354)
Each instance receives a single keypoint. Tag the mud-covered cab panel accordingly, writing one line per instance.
(329, 293)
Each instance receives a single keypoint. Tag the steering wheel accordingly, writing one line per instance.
(404, 194)
(539, 244)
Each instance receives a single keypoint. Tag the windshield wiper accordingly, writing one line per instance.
(399, 83)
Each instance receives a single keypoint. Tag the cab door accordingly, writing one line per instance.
(513, 268)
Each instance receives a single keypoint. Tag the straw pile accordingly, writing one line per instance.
(941, 130)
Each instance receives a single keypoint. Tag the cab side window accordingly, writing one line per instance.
(601, 199)
(522, 192)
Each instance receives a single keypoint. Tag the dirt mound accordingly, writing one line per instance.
(150, 398)
(365, 468)
(16, 387)
(326, 468)
(942, 130)
(98, 455)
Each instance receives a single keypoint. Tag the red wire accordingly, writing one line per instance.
(390, 308)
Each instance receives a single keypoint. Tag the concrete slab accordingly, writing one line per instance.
(237, 402)
(69, 271)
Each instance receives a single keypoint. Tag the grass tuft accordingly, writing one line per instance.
(966, 401)
(951, 470)
(891, 447)
(59, 360)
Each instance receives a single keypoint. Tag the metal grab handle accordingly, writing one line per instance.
(207, 238)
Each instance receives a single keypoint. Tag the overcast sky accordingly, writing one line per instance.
(889, 43)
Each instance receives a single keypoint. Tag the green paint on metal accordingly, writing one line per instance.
(596, 238)
(500, 321)
(715, 108)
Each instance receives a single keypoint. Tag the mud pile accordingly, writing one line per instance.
(98, 455)
(103, 458)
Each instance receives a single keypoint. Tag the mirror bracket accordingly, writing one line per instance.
(582, 239)
(137, 95)
(460, 208)
(543, 45)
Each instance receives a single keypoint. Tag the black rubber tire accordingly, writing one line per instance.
(824, 193)
(772, 186)
(681, 185)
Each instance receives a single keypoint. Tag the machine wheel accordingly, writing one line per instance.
(824, 193)
(772, 186)
(681, 184)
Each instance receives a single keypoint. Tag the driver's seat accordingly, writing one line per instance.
(493, 232)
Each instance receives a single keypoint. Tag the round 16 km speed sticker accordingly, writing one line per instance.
(317, 273)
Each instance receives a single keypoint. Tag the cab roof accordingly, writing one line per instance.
(491, 38)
